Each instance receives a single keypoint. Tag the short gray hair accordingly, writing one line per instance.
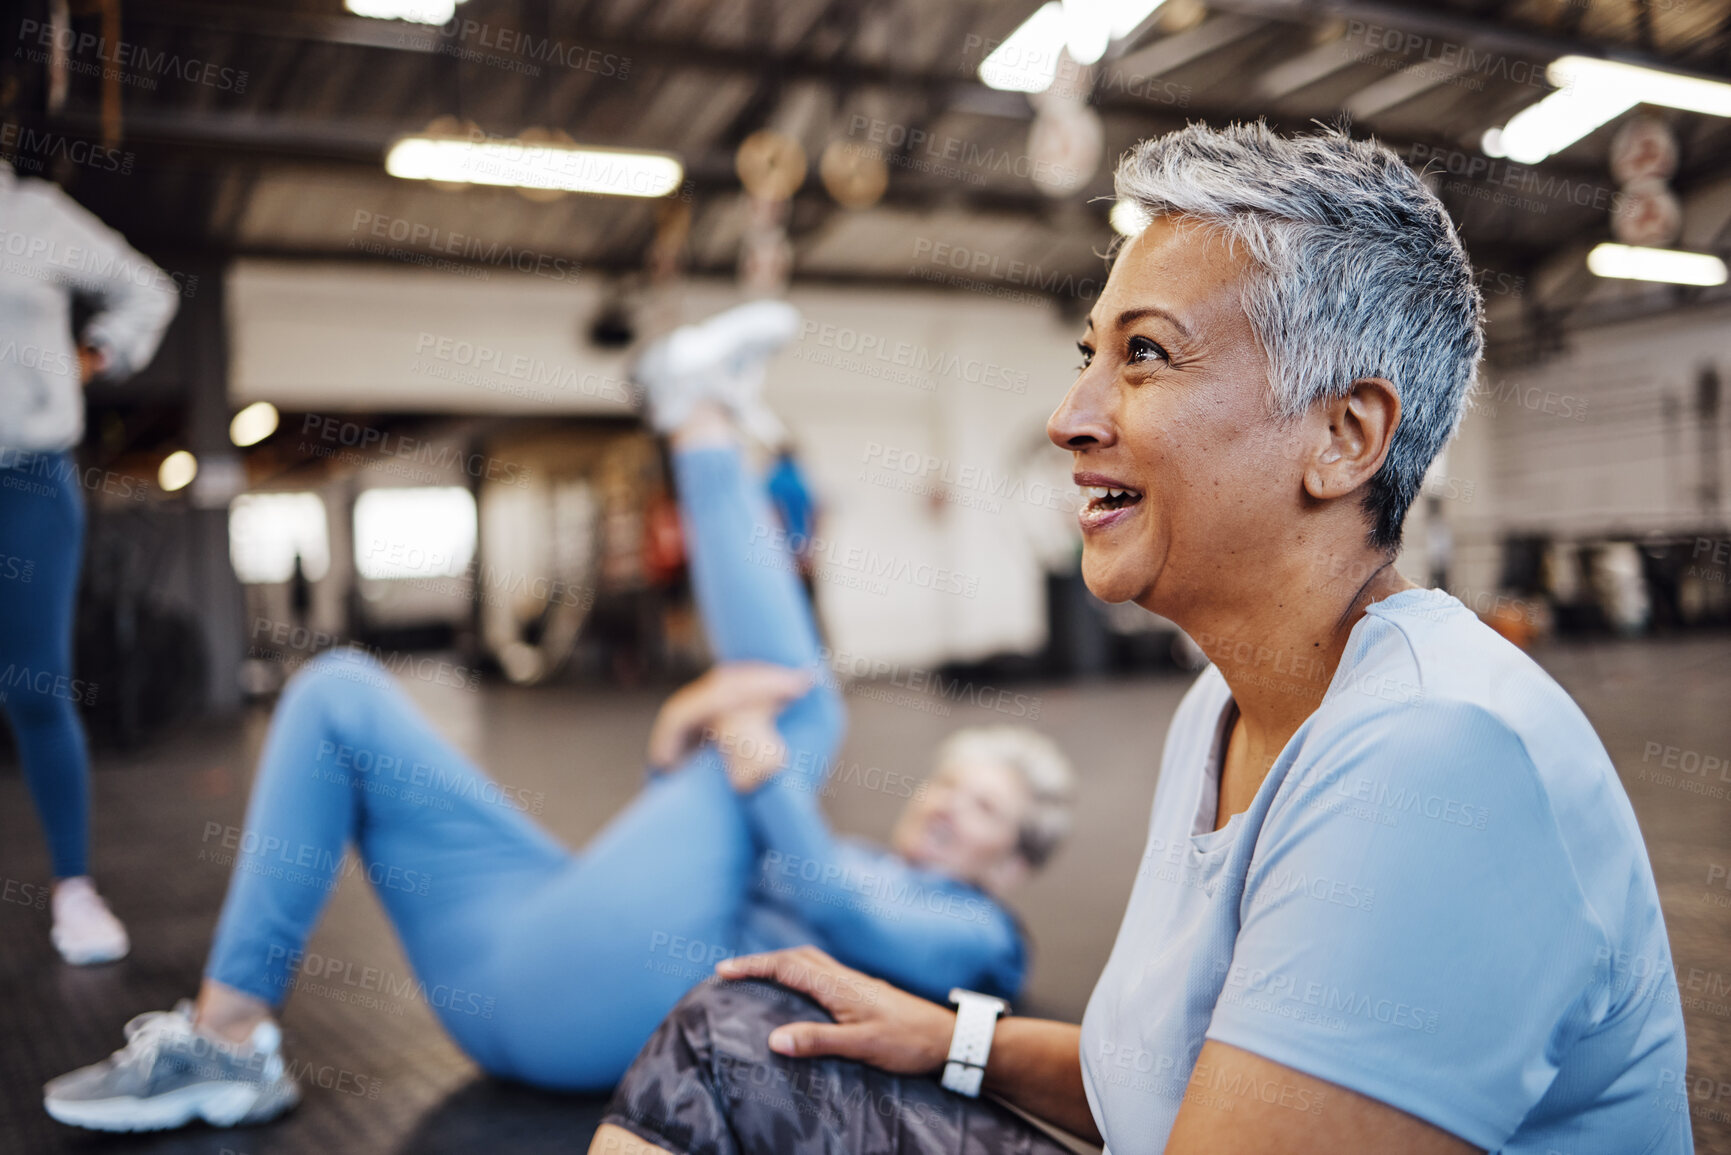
(1362, 275)
(1042, 766)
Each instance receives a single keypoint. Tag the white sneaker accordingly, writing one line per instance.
(85, 930)
(676, 374)
(752, 332)
(720, 359)
(168, 1074)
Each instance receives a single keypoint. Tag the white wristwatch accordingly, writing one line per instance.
(976, 1020)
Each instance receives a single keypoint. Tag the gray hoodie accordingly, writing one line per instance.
(51, 250)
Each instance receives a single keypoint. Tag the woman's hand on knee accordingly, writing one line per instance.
(731, 688)
(875, 1022)
(752, 748)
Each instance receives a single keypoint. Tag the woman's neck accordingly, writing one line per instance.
(1278, 659)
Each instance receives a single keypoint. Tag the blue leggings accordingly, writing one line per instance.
(41, 541)
(544, 965)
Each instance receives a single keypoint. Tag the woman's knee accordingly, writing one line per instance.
(710, 1048)
(731, 1021)
(704, 1029)
(339, 675)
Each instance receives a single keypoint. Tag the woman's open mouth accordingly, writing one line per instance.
(1104, 505)
(940, 832)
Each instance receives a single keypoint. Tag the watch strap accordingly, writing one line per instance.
(971, 1044)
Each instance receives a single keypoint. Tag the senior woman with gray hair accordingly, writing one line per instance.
(1394, 897)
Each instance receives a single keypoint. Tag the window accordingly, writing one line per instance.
(267, 530)
(414, 533)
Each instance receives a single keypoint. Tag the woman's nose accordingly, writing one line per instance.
(1082, 420)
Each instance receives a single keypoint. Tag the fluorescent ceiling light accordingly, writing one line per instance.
(253, 424)
(1087, 29)
(1672, 266)
(1027, 60)
(1558, 121)
(177, 470)
(1592, 92)
(414, 11)
(537, 164)
(1671, 89)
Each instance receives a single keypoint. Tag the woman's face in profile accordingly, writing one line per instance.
(1188, 479)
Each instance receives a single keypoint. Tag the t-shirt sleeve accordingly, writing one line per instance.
(1412, 927)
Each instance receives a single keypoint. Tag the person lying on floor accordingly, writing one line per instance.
(552, 966)
(1394, 898)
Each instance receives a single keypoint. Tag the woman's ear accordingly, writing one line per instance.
(1360, 428)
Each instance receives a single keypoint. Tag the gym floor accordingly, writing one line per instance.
(379, 1074)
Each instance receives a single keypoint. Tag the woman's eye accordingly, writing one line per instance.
(1087, 356)
(1142, 349)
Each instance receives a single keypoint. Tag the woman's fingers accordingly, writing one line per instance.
(730, 688)
(806, 1040)
(790, 968)
(665, 741)
(748, 966)
(675, 731)
(843, 992)
(751, 746)
(875, 1022)
(747, 685)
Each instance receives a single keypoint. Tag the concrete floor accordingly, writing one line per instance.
(583, 749)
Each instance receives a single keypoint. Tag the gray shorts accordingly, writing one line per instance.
(707, 1083)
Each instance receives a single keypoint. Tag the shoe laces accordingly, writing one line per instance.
(145, 1035)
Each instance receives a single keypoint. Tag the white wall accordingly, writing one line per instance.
(962, 381)
(862, 420)
(1602, 439)
(347, 337)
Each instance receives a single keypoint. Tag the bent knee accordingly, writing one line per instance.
(737, 1016)
(341, 672)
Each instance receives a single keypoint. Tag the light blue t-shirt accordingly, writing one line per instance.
(1439, 898)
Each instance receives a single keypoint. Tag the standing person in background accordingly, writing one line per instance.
(52, 251)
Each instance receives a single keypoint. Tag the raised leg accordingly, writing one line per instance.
(747, 585)
(748, 590)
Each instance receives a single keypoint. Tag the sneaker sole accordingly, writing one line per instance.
(92, 957)
(222, 1107)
